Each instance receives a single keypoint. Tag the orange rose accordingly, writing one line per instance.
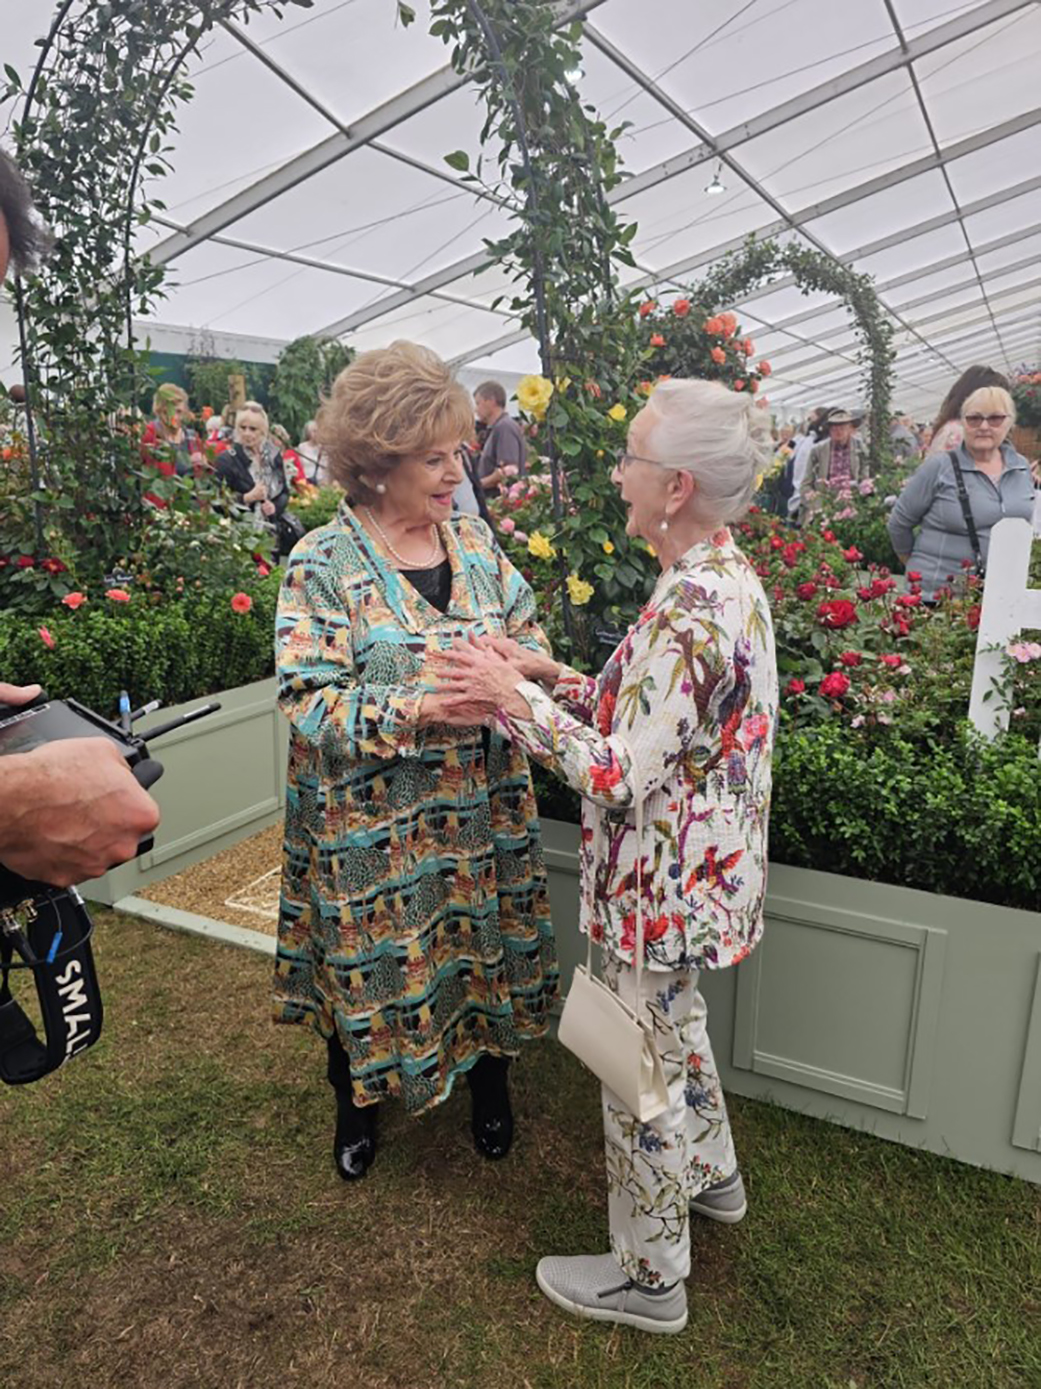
(714, 326)
(681, 308)
(647, 307)
(74, 600)
(739, 385)
(764, 369)
(657, 340)
(718, 355)
(749, 347)
(729, 322)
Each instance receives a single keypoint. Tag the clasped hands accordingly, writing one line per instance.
(478, 678)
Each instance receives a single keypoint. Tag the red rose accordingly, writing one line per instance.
(852, 554)
(53, 566)
(118, 595)
(681, 308)
(835, 685)
(46, 638)
(776, 543)
(909, 600)
(891, 659)
(865, 594)
(914, 576)
(241, 603)
(26, 562)
(829, 536)
(4, 561)
(657, 340)
(806, 590)
(837, 613)
(648, 306)
(764, 369)
(851, 658)
(74, 600)
(972, 617)
(796, 686)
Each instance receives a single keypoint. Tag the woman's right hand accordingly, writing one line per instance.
(533, 665)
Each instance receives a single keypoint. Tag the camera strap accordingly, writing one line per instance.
(51, 937)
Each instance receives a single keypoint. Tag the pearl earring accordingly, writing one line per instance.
(381, 488)
(664, 526)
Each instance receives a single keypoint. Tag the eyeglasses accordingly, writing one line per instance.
(623, 458)
(995, 421)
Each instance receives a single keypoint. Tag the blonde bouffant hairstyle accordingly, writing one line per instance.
(389, 403)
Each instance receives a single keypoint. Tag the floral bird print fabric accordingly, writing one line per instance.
(683, 716)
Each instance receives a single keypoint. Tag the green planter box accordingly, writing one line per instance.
(913, 1016)
(225, 779)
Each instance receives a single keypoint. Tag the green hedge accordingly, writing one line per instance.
(176, 652)
(962, 819)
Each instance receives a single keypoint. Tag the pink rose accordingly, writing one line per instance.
(507, 525)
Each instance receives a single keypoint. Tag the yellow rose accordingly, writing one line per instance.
(578, 590)
(534, 394)
(540, 547)
(563, 382)
(608, 548)
(617, 412)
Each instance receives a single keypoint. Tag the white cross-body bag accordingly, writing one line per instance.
(604, 1032)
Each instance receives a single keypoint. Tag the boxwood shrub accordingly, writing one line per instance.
(174, 651)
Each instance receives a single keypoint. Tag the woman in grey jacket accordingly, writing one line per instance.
(997, 482)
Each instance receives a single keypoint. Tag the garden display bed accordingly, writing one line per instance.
(909, 1014)
(224, 781)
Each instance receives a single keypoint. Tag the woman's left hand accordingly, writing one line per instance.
(268, 508)
(480, 674)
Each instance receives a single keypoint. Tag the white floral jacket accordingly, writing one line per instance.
(690, 697)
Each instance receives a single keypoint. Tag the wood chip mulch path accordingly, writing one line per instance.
(205, 888)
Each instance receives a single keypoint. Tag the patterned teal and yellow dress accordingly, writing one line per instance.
(414, 918)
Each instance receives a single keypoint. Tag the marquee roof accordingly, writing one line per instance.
(310, 192)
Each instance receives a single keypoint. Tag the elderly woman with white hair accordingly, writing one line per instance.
(681, 721)
(942, 520)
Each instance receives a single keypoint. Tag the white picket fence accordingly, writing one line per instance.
(1009, 608)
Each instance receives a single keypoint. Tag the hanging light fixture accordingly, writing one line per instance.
(717, 185)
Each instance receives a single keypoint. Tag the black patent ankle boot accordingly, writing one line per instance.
(354, 1144)
(492, 1118)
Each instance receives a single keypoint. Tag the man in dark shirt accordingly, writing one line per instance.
(505, 444)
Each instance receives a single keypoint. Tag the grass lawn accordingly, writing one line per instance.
(170, 1216)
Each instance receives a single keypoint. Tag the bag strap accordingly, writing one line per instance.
(638, 816)
(966, 509)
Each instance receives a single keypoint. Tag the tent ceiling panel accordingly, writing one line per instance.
(349, 56)
(916, 253)
(865, 134)
(885, 213)
(453, 123)
(1010, 216)
(998, 166)
(419, 226)
(779, 304)
(679, 219)
(719, 62)
(990, 262)
(447, 328)
(262, 125)
(984, 79)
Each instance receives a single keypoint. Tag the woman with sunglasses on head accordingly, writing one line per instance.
(942, 520)
(681, 723)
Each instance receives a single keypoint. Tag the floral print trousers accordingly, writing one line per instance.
(654, 1170)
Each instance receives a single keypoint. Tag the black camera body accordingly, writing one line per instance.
(49, 928)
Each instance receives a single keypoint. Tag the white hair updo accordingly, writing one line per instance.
(716, 434)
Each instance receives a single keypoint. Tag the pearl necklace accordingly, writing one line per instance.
(435, 553)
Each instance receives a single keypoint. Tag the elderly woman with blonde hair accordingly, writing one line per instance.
(680, 723)
(414, 934)
(942, 520)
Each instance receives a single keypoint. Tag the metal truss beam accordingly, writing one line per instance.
(769, 120)
(368, 128)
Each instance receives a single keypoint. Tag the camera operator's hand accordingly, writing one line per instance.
(18, 694)
(70, 810)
